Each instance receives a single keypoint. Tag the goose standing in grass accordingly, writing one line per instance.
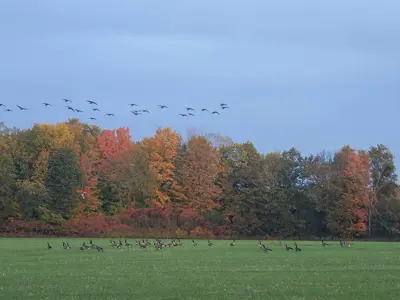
(115, 244)
(83, 247)
(66, 245)
(142, 245)
(158, 244)
(297, 248)
(288, 248)
(92, 246)
(263, 247)
(344, 244)
(49, 246)
(233, 244)
(209, 243)
(195, 243)
(323, 243)
(127, 244)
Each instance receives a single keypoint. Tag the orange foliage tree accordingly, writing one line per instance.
(350, 192)
(200, 165)
(162, 149)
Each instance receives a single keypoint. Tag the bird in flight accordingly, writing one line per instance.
(92, 118)
(96, 109)
(183, 115)
(78, 110)
(135, 112)
(224, 107)
(91, 102)
(145, 110)
(70, 108)
(21, 108)
(1, 104)
(109, 115)
(223, 104)
(8, 110)
(66, 100)
(204, 109)
(133, 104)
(46, 104)
(190, 114)
(215, 113)
(163, 106)
(189, 108)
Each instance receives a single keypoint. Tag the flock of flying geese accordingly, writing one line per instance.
(159, 245)
(189, 111)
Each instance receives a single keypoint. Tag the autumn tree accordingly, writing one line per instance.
(114, 145)
(76, 178)
(162, 151)
(112, 142)
(350, 192)
(32, 193)
(199, 165)
(51, 137)
(88, 190)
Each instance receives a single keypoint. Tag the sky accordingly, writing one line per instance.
(308, 74)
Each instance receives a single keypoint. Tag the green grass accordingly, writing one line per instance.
(364, 271)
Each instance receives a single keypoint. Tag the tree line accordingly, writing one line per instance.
(77, 179)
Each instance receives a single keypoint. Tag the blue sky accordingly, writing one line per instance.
(310, 74)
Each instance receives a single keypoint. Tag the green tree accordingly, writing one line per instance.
(243, 199)
(383, 213)
(63, 178)
(8, 207)
(130, 178)
(317, 188)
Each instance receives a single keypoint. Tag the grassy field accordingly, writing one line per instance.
(364, 271)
